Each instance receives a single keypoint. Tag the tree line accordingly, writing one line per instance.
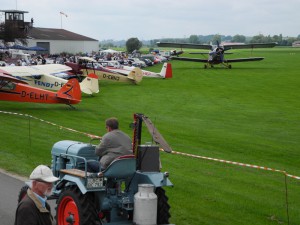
(214, 39)
(135, 43)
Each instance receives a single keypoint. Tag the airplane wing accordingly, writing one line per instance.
(189, 59)
(226, 46)
(253, 45)
(243, 60)
(88, 59)
(35, 70)
(225, 60)
(205, 53)
(183, 45)
(4, 77)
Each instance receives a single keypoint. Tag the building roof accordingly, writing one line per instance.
(56, 34)
(13, 11)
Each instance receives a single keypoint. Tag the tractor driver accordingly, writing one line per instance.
(33, 208)
(114, 143)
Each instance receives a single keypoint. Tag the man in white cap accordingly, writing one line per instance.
(33, 208)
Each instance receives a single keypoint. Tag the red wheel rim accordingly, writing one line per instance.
(66, 208)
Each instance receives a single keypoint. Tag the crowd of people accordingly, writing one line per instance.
(6, 58)
(33, 59)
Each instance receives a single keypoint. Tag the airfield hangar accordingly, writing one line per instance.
(55, 41)
(60, 40)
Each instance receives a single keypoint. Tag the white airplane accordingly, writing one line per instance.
(49, 77)
(166, 71)
(87, 65)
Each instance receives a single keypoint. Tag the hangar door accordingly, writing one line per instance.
(45, 45)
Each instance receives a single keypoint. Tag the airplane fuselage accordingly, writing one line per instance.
(216, 56)
(19, 92)
(46, 82)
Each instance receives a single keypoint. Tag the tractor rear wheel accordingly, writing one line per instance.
(75, 208)
(163, 207)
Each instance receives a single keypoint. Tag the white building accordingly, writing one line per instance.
(59, 40)
(296, 44)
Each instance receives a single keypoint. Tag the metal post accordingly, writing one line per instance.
(286, 199)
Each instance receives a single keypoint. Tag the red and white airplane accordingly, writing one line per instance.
(166, 70)
(87, 65)
(13, 89)
(49, 77)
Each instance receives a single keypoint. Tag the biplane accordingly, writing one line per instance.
(216, 53)
(87, 65)
(166, 70)
(13, 89)
(51, 77)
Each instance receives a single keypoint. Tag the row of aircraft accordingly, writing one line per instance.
(56, 83)
(216, 52)
(27, 83)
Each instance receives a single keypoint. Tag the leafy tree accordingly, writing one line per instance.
(239, 38)
(277, 38)
(216, 38)
(133, 44)
(108, 45)
(290, 40)
(261, 39)
(194, 39)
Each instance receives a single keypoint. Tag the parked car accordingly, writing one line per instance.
(2, 63)
(147, 61)
(137, 62)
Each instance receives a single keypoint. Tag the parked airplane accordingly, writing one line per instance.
(166, 70)
(13, 89)
(87, 65)
(216, 54)
(49, 77)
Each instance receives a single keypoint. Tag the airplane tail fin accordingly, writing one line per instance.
(70, 91)
(166, 71)
(136, 75)
(90, 84)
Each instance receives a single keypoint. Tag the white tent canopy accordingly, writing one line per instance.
(109, 51)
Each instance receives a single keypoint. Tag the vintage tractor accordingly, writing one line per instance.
(110, 196)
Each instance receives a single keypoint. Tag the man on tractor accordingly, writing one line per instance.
(114, 143)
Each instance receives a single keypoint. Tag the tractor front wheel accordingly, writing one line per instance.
(74, 208)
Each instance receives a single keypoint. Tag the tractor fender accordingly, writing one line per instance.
(76, 180)
(158, 179)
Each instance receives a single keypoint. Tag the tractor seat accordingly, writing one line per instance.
(121, 168)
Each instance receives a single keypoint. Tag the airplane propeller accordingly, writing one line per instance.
(176, 53)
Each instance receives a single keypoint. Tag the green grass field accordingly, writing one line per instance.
(249, 114)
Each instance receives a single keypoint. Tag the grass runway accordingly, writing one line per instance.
(248, 114)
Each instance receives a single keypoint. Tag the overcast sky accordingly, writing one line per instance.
(151, 19)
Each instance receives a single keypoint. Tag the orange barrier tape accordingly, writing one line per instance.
(61, 127)
(174, 152)
(235, 163)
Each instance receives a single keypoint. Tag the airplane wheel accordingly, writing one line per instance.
(205, 66)
(229, 67)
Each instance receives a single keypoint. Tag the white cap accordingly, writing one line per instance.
(43, 173)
